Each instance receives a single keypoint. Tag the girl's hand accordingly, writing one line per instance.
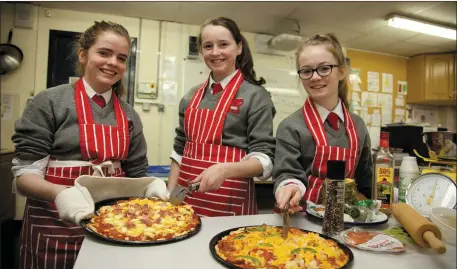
(289, 194)
(212, 178)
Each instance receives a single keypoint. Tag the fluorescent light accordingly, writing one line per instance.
(421, 27)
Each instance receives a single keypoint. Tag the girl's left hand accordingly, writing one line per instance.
(212, 178)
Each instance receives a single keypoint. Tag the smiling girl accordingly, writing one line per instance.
(63, 133)
(323, 129)
(225, 132)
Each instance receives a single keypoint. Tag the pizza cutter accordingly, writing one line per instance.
(179, 192)
(286, 220)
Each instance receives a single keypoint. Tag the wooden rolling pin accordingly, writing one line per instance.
(425, 233)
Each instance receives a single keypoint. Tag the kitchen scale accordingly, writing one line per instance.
(434, 187)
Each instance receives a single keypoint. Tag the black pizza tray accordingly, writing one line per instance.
(84, 224)
(219, 236)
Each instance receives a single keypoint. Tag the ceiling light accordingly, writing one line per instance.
(421, 27)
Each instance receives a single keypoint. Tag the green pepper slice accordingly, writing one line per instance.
(297, 250)
(256, 262)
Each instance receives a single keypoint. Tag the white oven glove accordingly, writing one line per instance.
(102, 188)
(75, 204)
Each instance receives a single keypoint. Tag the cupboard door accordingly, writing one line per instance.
(439, 77)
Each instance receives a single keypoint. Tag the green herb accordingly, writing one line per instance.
(256, 262)
(297, 250)
(239, 236)
(265, 245)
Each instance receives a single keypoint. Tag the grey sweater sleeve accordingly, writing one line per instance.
(364, 170)
(180, 138)
(260, 124)
(34, 131)
(136, 164)
(288, 156)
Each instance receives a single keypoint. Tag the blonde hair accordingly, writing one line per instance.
(88, 39)
(335, 48)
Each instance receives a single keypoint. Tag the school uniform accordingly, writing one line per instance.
(230, 125)
(305, 141)
(63, 134)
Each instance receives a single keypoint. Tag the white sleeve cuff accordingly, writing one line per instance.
(265, 161)
(22, 167)
(175, 156)
(299, 185)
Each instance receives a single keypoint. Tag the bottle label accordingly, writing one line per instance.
(405, 180)
(385, 178)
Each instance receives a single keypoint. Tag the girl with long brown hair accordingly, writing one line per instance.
(225, 132)
(73, 131)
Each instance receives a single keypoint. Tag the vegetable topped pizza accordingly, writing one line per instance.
(144, 219)
(263, 247)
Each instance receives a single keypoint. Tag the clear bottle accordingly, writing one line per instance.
(334, 206)
(384, 175)
(409, 170)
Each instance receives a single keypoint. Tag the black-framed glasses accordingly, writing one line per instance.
(323, 71)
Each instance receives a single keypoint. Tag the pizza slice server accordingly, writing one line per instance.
(286, 221)
(179, 192)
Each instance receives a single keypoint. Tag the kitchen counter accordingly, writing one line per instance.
(194, 252)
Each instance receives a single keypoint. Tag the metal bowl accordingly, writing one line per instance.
(441, 143)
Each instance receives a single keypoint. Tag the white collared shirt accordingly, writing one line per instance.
(90, 92)
(223, 82)
(323, 112)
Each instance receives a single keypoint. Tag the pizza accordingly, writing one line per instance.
(263, 247)
(144, 219)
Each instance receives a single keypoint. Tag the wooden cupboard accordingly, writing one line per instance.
(431, 79)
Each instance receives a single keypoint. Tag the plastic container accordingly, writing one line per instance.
(409, 170)
(445, 219)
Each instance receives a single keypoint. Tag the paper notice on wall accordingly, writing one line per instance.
(400, 101)
(399, 119)
(365, 116)
(375, 133)
(387, 82)
(402, 87)
(376, 118)
(386, 115)
(355, 96)
(7, 106)
(421, 114)
(384, 99)
(369, 99)
(399, 112)
(373, 82)
(354, 79)
(170, 92)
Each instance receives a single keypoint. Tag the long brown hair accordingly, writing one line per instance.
(335, 48)
(243, 61)
(88, 38)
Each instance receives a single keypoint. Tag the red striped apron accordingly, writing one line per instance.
(46, 241)
(203, 128)
(324, 152)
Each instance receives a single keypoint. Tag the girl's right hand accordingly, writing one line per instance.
(289, 194)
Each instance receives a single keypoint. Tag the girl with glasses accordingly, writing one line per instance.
(225, 132)
(323, 129)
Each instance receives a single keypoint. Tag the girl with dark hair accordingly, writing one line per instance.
(322, 130)
(70, 131)
(225, 132)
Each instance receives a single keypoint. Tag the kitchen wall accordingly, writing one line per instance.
(30, 77)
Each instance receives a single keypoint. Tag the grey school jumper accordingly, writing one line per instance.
(251, 129)
(49, 126)
(295, 150)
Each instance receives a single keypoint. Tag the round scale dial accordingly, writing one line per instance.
(431, 190)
